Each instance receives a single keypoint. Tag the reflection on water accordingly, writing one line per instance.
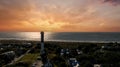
(23, 35)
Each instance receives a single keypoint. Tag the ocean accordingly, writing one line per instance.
(63, 36)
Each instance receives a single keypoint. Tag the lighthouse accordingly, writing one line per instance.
(45, 60)
(42, 43)
(42, 51)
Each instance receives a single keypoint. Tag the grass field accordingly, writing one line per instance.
(28, 59)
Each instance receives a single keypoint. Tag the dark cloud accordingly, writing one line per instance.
(114, 2)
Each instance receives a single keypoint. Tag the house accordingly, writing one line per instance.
(8, 56)
(79, 52)
(67, 51)
(97, 65)
(103, 47)
(1, 48)
(73, 62)
(62, 52)
(9, 53)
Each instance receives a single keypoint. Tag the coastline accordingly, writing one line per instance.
(54, 41)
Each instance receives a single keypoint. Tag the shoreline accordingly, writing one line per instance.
(58, 41)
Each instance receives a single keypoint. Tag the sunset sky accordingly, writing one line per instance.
(60, 15)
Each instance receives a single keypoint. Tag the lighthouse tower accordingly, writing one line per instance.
(42, 43)
(42, 51)
(46, 62)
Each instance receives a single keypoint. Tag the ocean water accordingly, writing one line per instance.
(64, 36)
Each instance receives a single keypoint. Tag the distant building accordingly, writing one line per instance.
(9, 53)
(79, 52)
(62, 52)
(103, 47)
(73, 62)
(106, 46)
(1, 48)
(8, 56)
(67, 51)
(97, 65)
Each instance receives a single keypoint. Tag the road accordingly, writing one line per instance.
(16, 59)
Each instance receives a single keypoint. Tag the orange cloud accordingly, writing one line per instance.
(54, 15)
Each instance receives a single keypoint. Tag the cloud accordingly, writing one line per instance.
(55, 14)
(70, 12)
(13, 11)
(114, 2)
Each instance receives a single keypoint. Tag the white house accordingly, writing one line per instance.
(97, 65)
(73, 62)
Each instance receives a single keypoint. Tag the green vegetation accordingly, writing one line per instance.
(26, 61)
(29, 58)
(93, 53)
(20, 47)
